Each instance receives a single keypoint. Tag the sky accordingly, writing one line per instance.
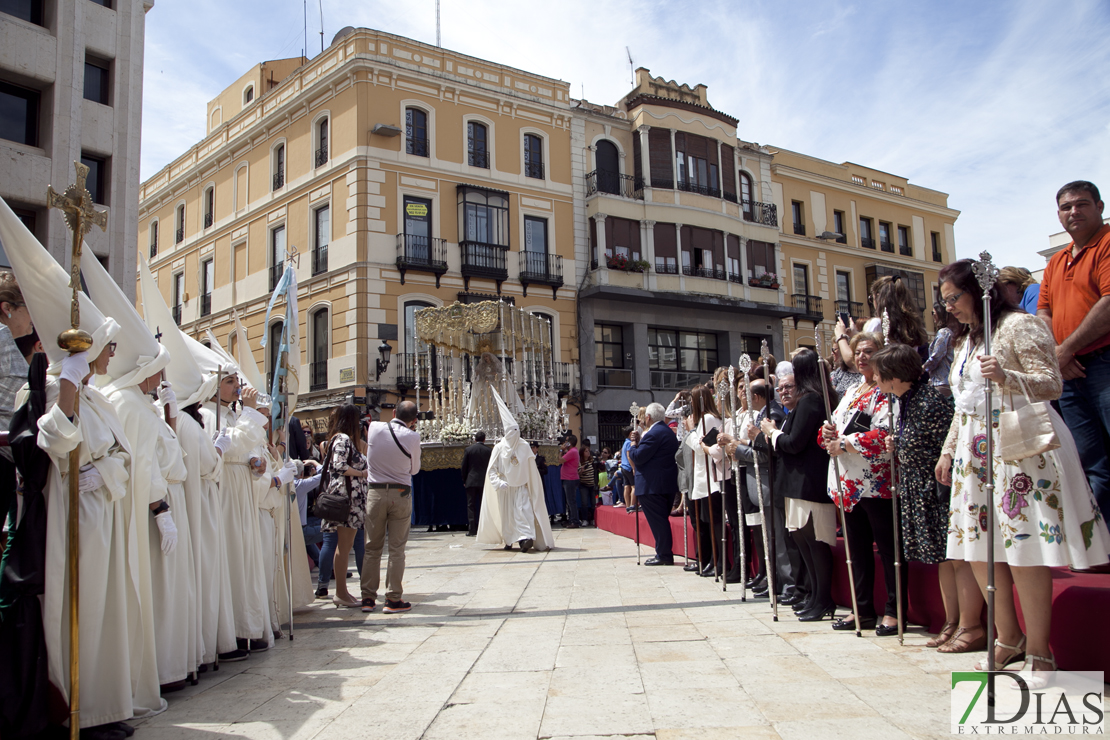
(997, 103)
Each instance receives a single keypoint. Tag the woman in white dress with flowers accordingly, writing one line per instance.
(1045, 514)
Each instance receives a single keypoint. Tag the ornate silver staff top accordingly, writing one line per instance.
(985, 271)
(817, 340)
(886, 326)
(764, 353)
(744, 363)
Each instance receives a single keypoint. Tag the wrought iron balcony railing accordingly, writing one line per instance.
(208, 219)
(422, 253)
(905, 250)
(321, 157)
(842, 239)
(419, 147)
(153, 250)
(205, 304)
(177, 314)
(734, 278)
(766, 214)
(705, 272)
(809, 304)
(533, 169)
(319, 372)
(691, 187)
(480, 259)
(867, 242)
(179, 235)
(799, 229)
(279, 180)
(320, 259)
(852, 308)
(546, 269)
(614, 183)
(478, 159)
(662, 268)
(886, 246)
(276, 271)
(663, 183)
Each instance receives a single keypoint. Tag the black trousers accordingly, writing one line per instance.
(736, 529)
(657, 511)
(790, 566)
(709, 537)
(818, 562)
(871, 524)
(473, 508)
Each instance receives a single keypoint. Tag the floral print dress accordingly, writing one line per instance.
(866, 472)
(344, 455)
(924, 416)
(1045, 513)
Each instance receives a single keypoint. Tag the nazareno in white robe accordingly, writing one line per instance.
(244, 544)
(158, 473)
(203, 465)
(513, 494)
(109, 627)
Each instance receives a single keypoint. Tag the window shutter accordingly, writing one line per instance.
(637, 165)
(665, 241)
(728, 170)
(659, 157)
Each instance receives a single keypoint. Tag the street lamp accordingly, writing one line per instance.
(383, 351)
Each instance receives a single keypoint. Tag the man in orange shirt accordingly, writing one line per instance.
(1075, 301)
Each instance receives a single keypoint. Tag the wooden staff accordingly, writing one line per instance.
(709, 501)
(634, 410)
(839, 484)
(890, 398)
(768, 556)
(771, 557)
(76, 206)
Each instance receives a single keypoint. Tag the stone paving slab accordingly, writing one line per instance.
(575, 643)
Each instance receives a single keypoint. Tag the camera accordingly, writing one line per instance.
(425, 415)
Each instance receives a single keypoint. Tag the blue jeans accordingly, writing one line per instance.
(327, 555)
(312, 538)
(1085, 406)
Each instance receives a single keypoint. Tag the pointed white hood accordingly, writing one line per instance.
(245, 357)
(45, 287)
(515, 452)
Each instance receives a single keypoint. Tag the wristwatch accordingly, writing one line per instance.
(842, 338)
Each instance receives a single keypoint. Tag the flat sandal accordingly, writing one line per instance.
(1017, 654)
(959, 643)
(947, 632)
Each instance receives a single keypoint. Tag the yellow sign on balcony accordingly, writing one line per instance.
(416, 209)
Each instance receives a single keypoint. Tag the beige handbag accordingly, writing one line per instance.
(1026, 432)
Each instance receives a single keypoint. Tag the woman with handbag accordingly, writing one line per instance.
(341, 504)
(1045, 514)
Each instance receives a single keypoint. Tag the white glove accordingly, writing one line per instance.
(75, 367)
(88, 479)
(168, 398)
(168, 531)
(222, 442)
(287, 473)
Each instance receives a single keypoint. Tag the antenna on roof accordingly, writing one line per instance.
(437, 24)
(321, 26)
(631, 67)
(304, 49)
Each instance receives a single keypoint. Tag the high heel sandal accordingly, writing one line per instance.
(1018, 653)
(1036, 679)
(946, 633)
(961, 643)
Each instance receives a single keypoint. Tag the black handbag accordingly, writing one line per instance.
(330, 505)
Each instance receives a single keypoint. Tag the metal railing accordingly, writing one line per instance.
(205, 304)
(799, 229)
(810, 304)
(730, 197)
(662, 268)
(208, 219)
(418, 147)
(406, 369)
(852, 308)
(153, 250)
(614, 377)
(662, 183)
(867, 242)
(177, 314)
(320, 259)
(541, 268)
(734, 278)
(279, 180)
(614, 183)
(905, 250)
(179, 235)
(842, 239)
(766, 214)
(417, 252)
(321, 157)
(478, 159)
(691, 187)
(533, 169)
(705, 272)
(319, 376)
(484, 260)
(886, 246)
(677, 380)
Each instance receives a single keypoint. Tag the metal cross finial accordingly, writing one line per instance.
(817, 339)
(744, 363)
(985, 271)
(886, 326)
(634, 409)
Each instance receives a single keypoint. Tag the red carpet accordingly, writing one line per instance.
(1080, 601)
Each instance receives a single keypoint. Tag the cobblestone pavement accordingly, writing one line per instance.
(576, 642)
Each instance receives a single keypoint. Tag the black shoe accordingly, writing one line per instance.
(847, 624)
(792, 599)
(172, 686)
(367, 605)
(393, 607)
(817, 613)
(657, 561)
(690, 567)
(233, 656)
(760, 592)
(886, 630)
(756, 581)
(103, 732)
(508, 547)
(123, 727)
(526, 544)
(709, 571)
(734, 577)
(243, 644)
(802, 606)
(259, 646)
(321, 593)
(471, 534)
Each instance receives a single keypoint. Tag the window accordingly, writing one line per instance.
(796, 214)
(477, 141)
(273, 353)
(746, 195)
(484, 216)
(548, 326)
(178, 296)
(277, 255)
(838, 227)
(761, 257)
(696, 160)
(937, 255)
(608, 345)
(843, 288)
(915, 280)
(153, 239)
(207, 280)
(179, 225)
(279, 166)
(413, 343)
(322, 222)
(319, 370)
(884, 237)
(866, 238)
(19, 114)
(607, 166)
(97, 181)
(904, 247)
(683, 351)
(96, 80)
(27, 10)
(248, 94)
(801, 280)
(622, 236)
(416, 132)
(320, 158)
(535, 245)
(660, 161)
(533, 156)
(209, 206)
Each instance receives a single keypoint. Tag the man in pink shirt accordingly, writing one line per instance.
(568, 474)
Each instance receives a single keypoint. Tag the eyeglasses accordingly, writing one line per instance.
(951, 300)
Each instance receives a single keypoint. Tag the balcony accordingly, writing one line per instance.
(419, 147)
(207, 219)
(276, 271)
(662, 268)
(478, 159)
(533, 169)
(542, 268)
(809, 305)
(406, 370)
(799, 229)
(484, 261)
(319, 376)
(842, 239)
(614, 183)
(321, 157)
(677, 380)
(867, 242)
(320, 259)
(853, 309)
(421, 253)
(766, 214)
(154, 250)
(691, 187)
(905, 250)
(705, 272)
(179, 235)
(205, 304)
(612, 377)
(562, 375)
(734, 278)
(279, 180)
(177, 314)
(662, 183)
(886, 246)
